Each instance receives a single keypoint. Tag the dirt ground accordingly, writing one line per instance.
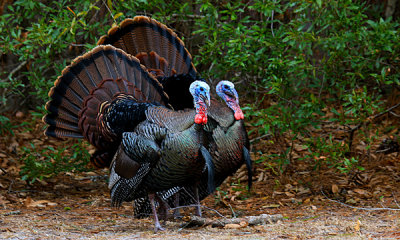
(300, 202)
(78, 207)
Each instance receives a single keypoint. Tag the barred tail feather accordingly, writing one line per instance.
(143, 35)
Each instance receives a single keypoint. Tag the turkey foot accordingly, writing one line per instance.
(157, 225)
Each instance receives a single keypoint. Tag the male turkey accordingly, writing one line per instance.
(228, 145)
(160, 50)
(98, 98)
(165, 151)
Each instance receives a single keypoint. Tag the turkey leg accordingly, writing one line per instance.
(157, 225)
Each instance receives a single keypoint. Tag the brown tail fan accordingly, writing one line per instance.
(145, 36)
(89, 83)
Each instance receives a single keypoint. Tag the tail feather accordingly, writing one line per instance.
(156, 65)
(143, 35)
(67, 111)
(53, 131)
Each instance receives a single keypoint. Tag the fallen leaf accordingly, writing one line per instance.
(29, 203)
(351, 201)
(289, 194)
(313, 207)
(260, 177)
(357, 227)
(361, 191)
(299, 147)
(244, 224)
(335, 189)
(232, 226)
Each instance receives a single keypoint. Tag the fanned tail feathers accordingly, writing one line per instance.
(154, 44)
(88, 85)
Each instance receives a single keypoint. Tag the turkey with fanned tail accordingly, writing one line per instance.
(98, 98)
(103, 96)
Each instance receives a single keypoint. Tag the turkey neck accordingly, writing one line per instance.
(220, 114)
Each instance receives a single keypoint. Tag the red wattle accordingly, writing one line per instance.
(205, 119)
(200, 119)
(239, 115)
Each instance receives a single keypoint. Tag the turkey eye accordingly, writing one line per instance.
(226, 87)
(201, 89)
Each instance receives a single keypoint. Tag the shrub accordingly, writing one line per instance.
(48, 162)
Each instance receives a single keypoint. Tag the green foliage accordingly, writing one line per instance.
(331, 153)
(48, 162)
(308, 55)
(38, 36)
(6, 126)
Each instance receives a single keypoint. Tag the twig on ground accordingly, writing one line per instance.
(268, 135)
(10, 187)
(202, 206)
(369, 120)
(23, 63)
(395, 201)
(394, 114)
(237, 222)
(233, 212)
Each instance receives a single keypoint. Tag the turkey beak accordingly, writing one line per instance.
(206, 98)
(232, 94)
(236, 96)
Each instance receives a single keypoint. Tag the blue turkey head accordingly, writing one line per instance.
(226, 90)
(201, 98)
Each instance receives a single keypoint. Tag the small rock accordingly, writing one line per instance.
(52, 204)
(61, 186)
(19, 114)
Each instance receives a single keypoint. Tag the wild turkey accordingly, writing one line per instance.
(165, 151)
(97, 97)
(228, 146)
(228, 141)
(160, 50)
